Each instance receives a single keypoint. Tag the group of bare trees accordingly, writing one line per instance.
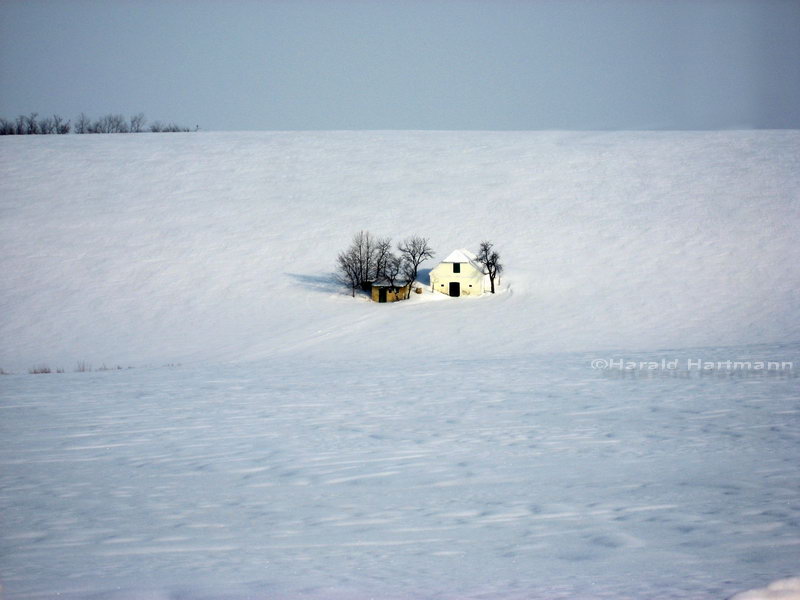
(118, 124)
(32, 124)
(369, 259)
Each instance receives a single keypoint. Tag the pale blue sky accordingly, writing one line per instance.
(432, 64)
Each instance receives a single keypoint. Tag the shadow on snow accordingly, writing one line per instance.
(325, 283)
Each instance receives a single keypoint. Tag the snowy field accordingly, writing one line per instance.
(533, 477)
(276, 438)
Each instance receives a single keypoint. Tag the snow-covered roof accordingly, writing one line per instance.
(461, 255)
(385, 283)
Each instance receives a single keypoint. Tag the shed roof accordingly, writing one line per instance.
(385, 283)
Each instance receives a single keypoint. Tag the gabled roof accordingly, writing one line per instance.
(461, 255)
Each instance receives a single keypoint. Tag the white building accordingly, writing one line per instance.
(460, 274)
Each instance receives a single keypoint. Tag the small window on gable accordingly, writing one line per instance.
(456, 267)
(470, 285)
(441, 284)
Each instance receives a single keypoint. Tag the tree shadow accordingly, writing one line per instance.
(325, 283)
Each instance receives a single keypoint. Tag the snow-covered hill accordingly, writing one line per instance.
(312, 446)
(153, 249)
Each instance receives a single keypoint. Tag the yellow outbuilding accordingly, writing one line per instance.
(383, 291)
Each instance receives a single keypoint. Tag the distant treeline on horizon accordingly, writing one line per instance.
(33, 125)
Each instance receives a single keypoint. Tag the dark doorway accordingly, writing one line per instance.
(382, 294)
(455, 288)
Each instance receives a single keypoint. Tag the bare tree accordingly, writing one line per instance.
(13, 126)
(158, 126)
(414, 251)
(490, 260)
(110, 124)
(137, 123)
(173, 128)
(46, 126)
(60, 127)
(394, 270)
(356, 265)
(31, 124)
(118, 124)
(348, 270)
(364, 245)
(382, 253)
(98, 126)
(82, 124)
